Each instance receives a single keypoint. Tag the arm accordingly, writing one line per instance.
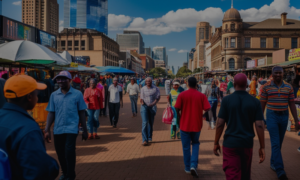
(86, 96)
(82, 121)
(259, 126)
(178, 114)
(50, 120)
(219, 132)
(294, 113)
(142, 97)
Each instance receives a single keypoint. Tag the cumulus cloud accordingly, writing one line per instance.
(172, 49)
(182, 19)
(61, 26)
(17, 3)
(183, 51)
(118, 22)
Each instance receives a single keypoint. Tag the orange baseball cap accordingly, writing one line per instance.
(20, 85)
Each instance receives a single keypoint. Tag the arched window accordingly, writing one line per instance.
(232, 27)
(231, 63)
(245, 62)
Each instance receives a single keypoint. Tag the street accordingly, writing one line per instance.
(119, 155)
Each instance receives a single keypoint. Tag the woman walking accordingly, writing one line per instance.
(212, 93)
(175, 91)
(93, 98)
(133, 90)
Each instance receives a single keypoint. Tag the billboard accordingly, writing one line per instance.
(82, 60)
(46, 39)
(15, 30)
(252, 63)
(294, 54)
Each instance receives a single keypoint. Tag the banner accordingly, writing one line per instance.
(252, 63)
(82, 60)
(15, 30)
(294, 54)
(46, 39)
(75, 65)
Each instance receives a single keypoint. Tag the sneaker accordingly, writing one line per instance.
(145, 143)
(272, 167)
(283, 177)
(187, 171)
(194, 172)
(90, 137)
(299, 149)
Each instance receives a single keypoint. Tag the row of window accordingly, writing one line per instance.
(263, 42)
(76, 43)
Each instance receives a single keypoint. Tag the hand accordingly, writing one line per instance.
(216, 148)
(84, 136)
(262, 155)
(47, 136)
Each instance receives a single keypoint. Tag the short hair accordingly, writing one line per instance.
(277, 68)
(192, 81)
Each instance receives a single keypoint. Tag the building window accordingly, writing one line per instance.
(69, 48)
(232, 27)
(82, 43)
(231, 63)
(226, 27)
(294, 43)
(226, 42)
(76, 43)
(263, 42)
(201, 33)
(76, 49)
(69, 43)
(207, 32)
(276, 43)
(247, 42)
(63, 43)
(82, 48)
(232, 42)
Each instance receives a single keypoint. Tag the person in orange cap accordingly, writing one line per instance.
(21, 136)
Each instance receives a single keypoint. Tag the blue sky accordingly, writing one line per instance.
(172, 23)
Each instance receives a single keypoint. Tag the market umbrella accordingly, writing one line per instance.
(66, 55)
(114, 69)
(29, 52)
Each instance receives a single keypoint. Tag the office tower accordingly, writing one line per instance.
(203, 31)
(0, 7)
(159, 53)
(131, 41)
(86, 14)
(42, 14)
(148, 51)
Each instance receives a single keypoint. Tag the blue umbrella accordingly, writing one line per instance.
(114, 69)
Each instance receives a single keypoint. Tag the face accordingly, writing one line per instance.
(132, 81)
(32, 99)
(175, 86)
(92, 84)
(115, 82)
(148, 82)
(63, 82)
(277, 75)
(253, 79)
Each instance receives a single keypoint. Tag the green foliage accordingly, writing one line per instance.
(158, 72)
(183, 72)
(197, 70)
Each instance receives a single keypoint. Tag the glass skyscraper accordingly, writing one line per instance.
(90, 14)
(159, 53)
(0, 7)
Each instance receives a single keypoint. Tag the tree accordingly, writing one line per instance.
(197, 70)
(183, 72)
(158, 72)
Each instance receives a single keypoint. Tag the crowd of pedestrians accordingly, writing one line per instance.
(78, 103)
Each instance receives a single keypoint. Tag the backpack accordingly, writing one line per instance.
(5, 172)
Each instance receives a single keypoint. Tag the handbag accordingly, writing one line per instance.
(167, 115)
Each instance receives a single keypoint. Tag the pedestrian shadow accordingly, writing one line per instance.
(104, 139)
(87, 151)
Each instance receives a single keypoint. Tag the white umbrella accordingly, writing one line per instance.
(66, 55)
(29, 52)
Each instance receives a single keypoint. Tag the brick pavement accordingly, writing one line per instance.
(118, 155)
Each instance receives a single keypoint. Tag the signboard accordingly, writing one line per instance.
(15, 30)
(82, 60)
(46, 39)
(75, 65)
(294, 54)
(251, 63)
(261, 62)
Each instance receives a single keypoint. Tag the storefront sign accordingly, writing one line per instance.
(252, 63)
(82, 60)
(75, 65)
(261, 62)
(294, 54)
(46, 39)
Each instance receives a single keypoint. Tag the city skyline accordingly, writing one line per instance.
(173, 25)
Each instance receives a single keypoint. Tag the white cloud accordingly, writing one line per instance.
(17, 3)
(173, 49)
(182, 19)
(61, 26)
(183, 51)
(118, 22)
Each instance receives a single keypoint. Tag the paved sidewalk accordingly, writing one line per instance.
(119, 155)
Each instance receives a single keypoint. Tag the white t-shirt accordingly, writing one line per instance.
(114, 93)
(133, 89)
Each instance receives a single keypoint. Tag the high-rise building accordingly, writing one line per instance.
(159, 53)
(42, 14)
(87, 14)
(148, 51)
(0, 7)
(203, 31)
(131, 41)
(173, 70)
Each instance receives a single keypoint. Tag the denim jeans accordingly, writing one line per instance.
(190, 161)
(65, 146)
(277, 124)
(134, 99)
(93, 120)
(114, 109)
(148, 114)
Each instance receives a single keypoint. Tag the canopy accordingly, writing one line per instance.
(114, 69)
(29, 52)
(66, 55)
(82, 68)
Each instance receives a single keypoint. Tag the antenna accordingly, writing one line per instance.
(231, 3)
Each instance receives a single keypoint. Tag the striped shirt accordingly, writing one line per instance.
(149, 95)
(277, 98)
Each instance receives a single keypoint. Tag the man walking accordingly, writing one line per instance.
(278, 95)
(133, 90)
(67, 109)
(115, 101)
(21, 136)
(239, 111)
(150, 96)
(190, 105)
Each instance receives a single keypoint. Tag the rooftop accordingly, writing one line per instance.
(273, 24)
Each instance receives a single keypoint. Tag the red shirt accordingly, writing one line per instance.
(191, 103)
(93, 98)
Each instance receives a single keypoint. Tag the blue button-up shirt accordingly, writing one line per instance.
(22, 139)
(66, 108)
